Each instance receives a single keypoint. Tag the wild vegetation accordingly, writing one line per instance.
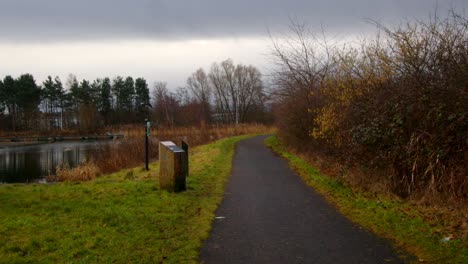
(130, 152)
(117, 218)
(391, 110)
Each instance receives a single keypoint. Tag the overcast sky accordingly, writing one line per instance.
(166, 40)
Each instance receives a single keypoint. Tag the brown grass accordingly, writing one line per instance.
(83, 172)
(130, 152)
(194, 134)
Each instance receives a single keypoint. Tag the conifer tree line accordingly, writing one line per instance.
(227, 94)
(84, 105)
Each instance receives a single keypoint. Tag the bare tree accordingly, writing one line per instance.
(165, 104)
(250, 90)
(302, 60)
(236, 89)
(199, 85)
(222, 94)
(182, 95)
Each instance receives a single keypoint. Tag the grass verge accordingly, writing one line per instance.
(118, 218)
(386, 217)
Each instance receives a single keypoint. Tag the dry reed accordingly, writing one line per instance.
(82, 172)
(130, 152)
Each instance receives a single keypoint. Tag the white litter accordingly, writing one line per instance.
(447, 239)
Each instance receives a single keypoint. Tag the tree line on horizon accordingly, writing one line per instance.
(81, 105)
(227, 94)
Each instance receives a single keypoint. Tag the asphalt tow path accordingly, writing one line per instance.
(269, 215)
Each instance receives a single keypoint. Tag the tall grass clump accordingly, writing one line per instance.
(83, 172)
(394, 106)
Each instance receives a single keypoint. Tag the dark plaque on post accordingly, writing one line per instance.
(184, 146)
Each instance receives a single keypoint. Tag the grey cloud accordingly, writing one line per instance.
(64, 20)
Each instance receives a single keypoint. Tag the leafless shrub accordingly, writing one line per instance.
(396, 104)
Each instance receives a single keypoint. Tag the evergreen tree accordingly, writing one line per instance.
(117, 87)
(10, 99)
(105, 99)
(83, 93)
(27, 98)
(127, 95)
(2, 98)
(74, 90)
(59, 99)
(87, 111)
(51, 94)
(142, 97)
(47, 100)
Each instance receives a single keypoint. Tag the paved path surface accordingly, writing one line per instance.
(269, 215)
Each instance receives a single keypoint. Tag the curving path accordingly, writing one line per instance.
(268, 215)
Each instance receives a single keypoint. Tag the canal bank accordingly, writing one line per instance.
(31, 161)
(40, 139)
(120, 217)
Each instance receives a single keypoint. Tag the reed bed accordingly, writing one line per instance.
(130, 151)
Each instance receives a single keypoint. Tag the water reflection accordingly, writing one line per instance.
(32, 163)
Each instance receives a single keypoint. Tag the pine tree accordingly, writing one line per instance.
(2, 98)
(142, 97)
(28, 98)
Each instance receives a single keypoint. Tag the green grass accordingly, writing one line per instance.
(391, 219)
(118, 218)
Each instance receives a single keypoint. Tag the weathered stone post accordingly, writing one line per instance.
(173, 167)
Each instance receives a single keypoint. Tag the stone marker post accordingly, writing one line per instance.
(173, 167)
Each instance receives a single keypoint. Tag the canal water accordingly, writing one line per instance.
(35, 162)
